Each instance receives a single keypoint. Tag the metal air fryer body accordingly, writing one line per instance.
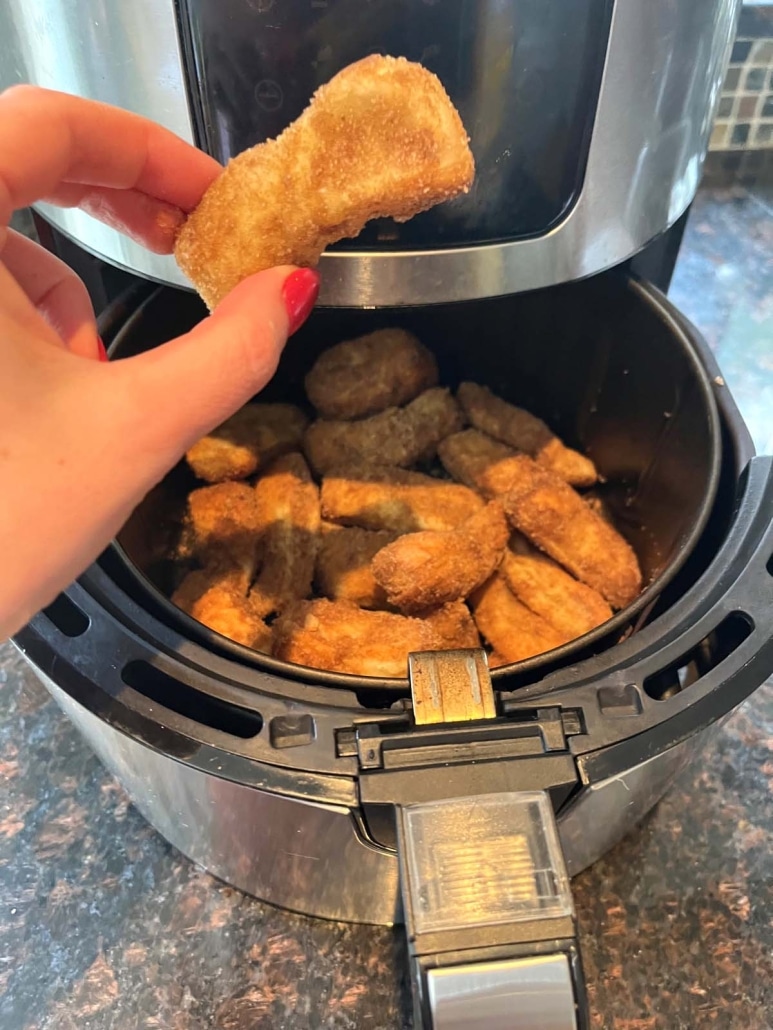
(284, 781)
(589, 119)
(301, 787)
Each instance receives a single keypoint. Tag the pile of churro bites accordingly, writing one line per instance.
(395, 515)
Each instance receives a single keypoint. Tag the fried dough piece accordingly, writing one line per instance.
(247, 441)
(380, 140)
(555, 518)
(513, 630)
(343, 571)
(395, 500)
(397, 436)
(221, 527)
(479, 462)
(384, 369)
(428, 569)
(525, 432)
(217, 600)
(287, 502)
(454, 626)
(572, 607)
(340, 637)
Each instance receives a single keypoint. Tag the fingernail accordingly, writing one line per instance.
(101, 350)
(299, 292)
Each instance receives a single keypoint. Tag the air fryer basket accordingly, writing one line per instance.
(604, 362)
(318, 799)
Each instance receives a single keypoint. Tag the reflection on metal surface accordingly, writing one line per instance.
(302, 856)
(602, 814)
(661, 80)
(450, 686)
(529, 992)
(315, 860)
(122, 54)
(126, 54)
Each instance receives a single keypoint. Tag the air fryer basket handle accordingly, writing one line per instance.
(486, 897)
(492, 935)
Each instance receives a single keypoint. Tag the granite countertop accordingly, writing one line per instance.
(103, 926)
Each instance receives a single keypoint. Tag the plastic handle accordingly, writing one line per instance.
(489, 915)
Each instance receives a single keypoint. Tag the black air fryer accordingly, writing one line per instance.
(325, 793)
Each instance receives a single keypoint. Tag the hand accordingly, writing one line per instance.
(81, 441)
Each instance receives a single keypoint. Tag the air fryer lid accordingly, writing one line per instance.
(604, 363)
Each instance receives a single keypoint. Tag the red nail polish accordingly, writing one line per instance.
(101, 350)
(299, 292)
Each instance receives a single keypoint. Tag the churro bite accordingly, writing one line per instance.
(380, 140)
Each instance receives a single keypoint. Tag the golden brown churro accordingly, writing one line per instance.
(360, 377)
(478, 461)
(343, 566)
(395, 499)
(287, 501)
(397, 436)
(554, 517)
(250, 439)
(380, 140)
(424, 570)
(525, 432)
(217, 600)
(221, 527)
(572, 607)
(341, 637)
(513, 630)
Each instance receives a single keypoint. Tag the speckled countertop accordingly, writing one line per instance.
(103, 926)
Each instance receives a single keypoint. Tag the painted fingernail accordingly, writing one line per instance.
(299, 292)
(101, 350)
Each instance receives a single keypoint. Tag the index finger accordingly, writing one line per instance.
(49, 138)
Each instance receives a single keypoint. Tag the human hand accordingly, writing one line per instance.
(82, 441)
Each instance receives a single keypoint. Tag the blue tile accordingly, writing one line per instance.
(741, 50)
(755, 79)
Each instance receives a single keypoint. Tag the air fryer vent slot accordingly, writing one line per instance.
(701, 659)
(165, 690)
(67, 616)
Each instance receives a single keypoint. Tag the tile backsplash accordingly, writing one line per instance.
(745, 114)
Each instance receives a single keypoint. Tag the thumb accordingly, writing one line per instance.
(190, 385)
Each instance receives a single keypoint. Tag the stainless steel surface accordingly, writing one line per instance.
(520, 994)
(126, 54)
(645, 159)
(604, 813)
(301, 856)
(644, 165)
(314, 859)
